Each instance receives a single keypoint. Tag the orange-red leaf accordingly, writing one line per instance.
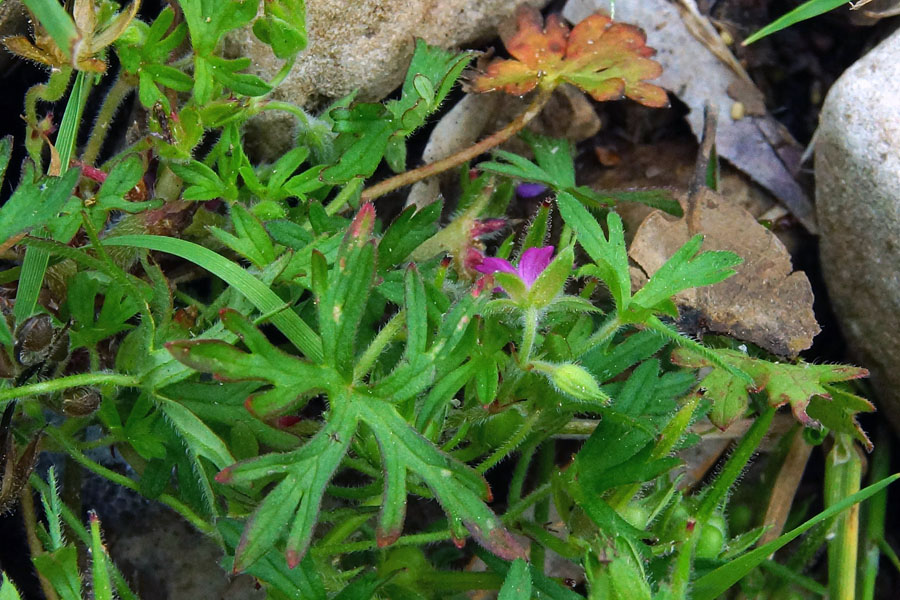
(606, 59)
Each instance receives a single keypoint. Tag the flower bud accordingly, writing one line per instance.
(574, 380)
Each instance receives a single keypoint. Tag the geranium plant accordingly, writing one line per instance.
(333, 373)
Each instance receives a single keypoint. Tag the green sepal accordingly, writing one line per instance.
(513, 286)
(552, 280)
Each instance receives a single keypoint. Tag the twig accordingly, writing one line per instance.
(454, 160)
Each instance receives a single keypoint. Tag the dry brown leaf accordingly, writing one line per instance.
(700, 69)
(764, 303)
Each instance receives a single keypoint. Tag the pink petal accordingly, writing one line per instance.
(491, 265)
(533, 263)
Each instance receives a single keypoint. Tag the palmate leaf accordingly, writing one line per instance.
(306, 472)
(302, 476)
(609, 254)
(608, 60)
(784, 383)
(290, 376)
(367, 131)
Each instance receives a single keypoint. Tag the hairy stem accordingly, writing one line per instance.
(29, 519)
(681, 577)
(467, 154)
(387, 334)
(529, 333)
(510, 444)
(174, 503)
(111, 103)
(64, 383)
(843, 472)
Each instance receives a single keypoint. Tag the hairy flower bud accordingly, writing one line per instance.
(572, 379)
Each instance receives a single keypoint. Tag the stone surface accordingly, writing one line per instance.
(858, 205)
(363, 45)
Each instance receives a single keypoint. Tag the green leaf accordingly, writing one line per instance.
(361, 588)
(290, 501)
(209, 20)
(33, 203)
(198, 436)
(122, 179)
(251, 240)
(60, 567)
(411, 227)
(607, 362)
(288, 233)
(226, 72)
(204, 183)
(368, 131)
(267, 301)
(783, 383)
(609, 255)
(430, 76)
(170, 77)
(838, 413)
(89, 327)
(684, 270)
(283, 27)
(807, 10)
(5, 152)
(416, 314)
(517, 584)
(537, 230)
(363, 134)
(8, 591)
(100, 564)
(543, 586)
(552, 280)
(459, 489)
(716, 583)
(290, 376)
(349, 284)
(302, 582)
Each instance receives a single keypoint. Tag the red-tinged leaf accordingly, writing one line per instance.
(838, 413)
(498, 540)
(784, 383)
(363, 223)
(608, 60)
(534, 43)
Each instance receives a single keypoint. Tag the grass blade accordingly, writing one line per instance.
(805, 11)
(291, 325)
(714, 584)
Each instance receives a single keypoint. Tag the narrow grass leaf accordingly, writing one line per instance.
(288, 322)
(714, 584)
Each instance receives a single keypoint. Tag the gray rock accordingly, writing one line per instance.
(360, 45)
(858, 204)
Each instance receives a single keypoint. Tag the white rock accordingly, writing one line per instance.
(364, 45)
(858, 205)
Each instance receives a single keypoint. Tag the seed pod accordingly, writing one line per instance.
(32, 340)
(80, 401)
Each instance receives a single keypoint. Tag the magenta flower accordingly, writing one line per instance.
(531, 264)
